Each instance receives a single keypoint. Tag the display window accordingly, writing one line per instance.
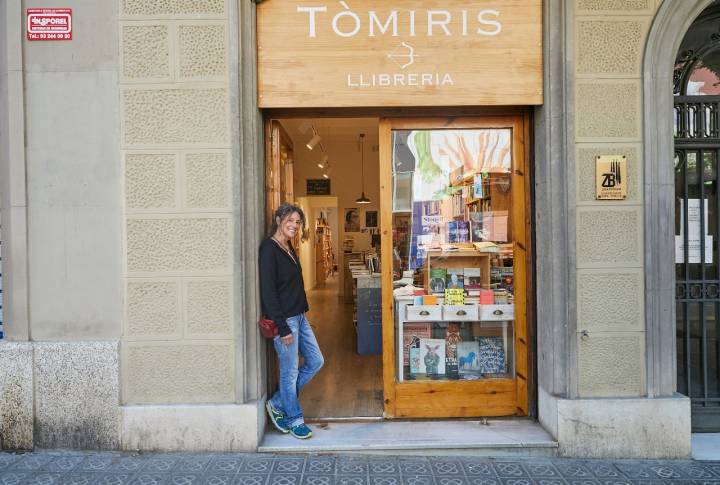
(458, 240)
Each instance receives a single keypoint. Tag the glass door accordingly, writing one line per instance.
(455, 239)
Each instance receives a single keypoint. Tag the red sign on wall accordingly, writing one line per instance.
(49, 24)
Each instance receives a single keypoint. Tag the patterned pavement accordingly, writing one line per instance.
(114, 468)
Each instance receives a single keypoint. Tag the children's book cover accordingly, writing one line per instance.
(454, 296)
(432, 356)
(454, 278)
(472, 278)
(468, 357)
(412, 333)
(414, 355)
(437, 280)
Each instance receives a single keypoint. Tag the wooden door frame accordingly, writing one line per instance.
(272, 153)
(272, 157)
(435, 113)
(400, 397)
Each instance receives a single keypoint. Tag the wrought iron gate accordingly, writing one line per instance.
(697, 220)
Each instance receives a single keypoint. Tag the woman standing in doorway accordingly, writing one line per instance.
(282, 293)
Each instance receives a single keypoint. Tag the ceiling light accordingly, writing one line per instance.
(362, 199)
(313, 141)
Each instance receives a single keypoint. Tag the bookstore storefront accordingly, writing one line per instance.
(463, 139)
(453, 129)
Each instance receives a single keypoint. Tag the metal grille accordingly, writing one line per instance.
(697, 220)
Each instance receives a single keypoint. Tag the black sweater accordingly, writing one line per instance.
(282, 290)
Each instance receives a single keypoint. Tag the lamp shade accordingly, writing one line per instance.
(362, 199)
(313, 141)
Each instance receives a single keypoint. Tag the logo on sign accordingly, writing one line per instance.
(404, 55)
(49, 24)
(611, 177)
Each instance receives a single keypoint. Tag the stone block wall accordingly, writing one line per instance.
(609, 42)
(177, 344)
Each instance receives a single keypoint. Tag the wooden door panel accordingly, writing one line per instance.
(485, 397)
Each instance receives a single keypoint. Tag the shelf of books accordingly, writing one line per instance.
(459, 335)
(460, 325)
(324, 257)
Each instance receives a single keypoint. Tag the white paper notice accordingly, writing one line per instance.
(694, 234)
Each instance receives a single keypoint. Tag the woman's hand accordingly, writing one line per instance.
(286, 340)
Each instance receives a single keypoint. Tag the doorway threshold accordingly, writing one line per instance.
(491, 437)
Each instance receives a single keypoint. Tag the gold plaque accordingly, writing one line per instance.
(611, 177)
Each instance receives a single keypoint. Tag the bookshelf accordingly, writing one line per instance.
(324, 255)
(463, 258)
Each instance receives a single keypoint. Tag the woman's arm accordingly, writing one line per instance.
(268, 289)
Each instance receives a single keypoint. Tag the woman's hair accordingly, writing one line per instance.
(350, 214)
(284, 211)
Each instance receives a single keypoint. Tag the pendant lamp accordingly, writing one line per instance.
(362, 199)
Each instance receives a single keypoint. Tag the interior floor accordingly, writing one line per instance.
(349, 385)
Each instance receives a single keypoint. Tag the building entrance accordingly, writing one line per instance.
(415, 262)
(697, 219)
(329, 167)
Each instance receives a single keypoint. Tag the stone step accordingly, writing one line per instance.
(492, 437)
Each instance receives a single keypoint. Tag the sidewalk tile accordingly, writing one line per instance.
(318, 480)
(218, 479)
(320, 465)
(113, 478)
(43, 478)
(247, 479)
(385, 480)
(288, 465)
(85, 478)
(418, 480)
(509, 470)
(184, 479)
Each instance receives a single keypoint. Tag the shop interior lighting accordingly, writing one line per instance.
(314, 140)
(323, 161)
(362, 199)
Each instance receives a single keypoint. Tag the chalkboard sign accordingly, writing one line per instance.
(369, 321)
(318, 186)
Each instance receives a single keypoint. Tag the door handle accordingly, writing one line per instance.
(424, 313)
(461, 313)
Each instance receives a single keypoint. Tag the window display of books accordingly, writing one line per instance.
(460, 244)
(457, 351)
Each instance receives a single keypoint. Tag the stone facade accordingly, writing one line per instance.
(132, 199)
(609, 44)
(175, 134)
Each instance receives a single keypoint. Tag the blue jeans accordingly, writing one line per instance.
(292, 378)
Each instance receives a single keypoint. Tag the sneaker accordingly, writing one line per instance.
(301, 431)
(276, 417)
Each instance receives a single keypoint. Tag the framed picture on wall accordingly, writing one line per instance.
(371, 219)
(352, 219)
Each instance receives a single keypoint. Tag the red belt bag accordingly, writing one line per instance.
(268, 329)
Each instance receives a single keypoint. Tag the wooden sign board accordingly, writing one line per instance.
(611, 177)
(318, 186)
(380, 53)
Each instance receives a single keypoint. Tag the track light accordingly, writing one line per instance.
(313, 141)
(323, 161)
